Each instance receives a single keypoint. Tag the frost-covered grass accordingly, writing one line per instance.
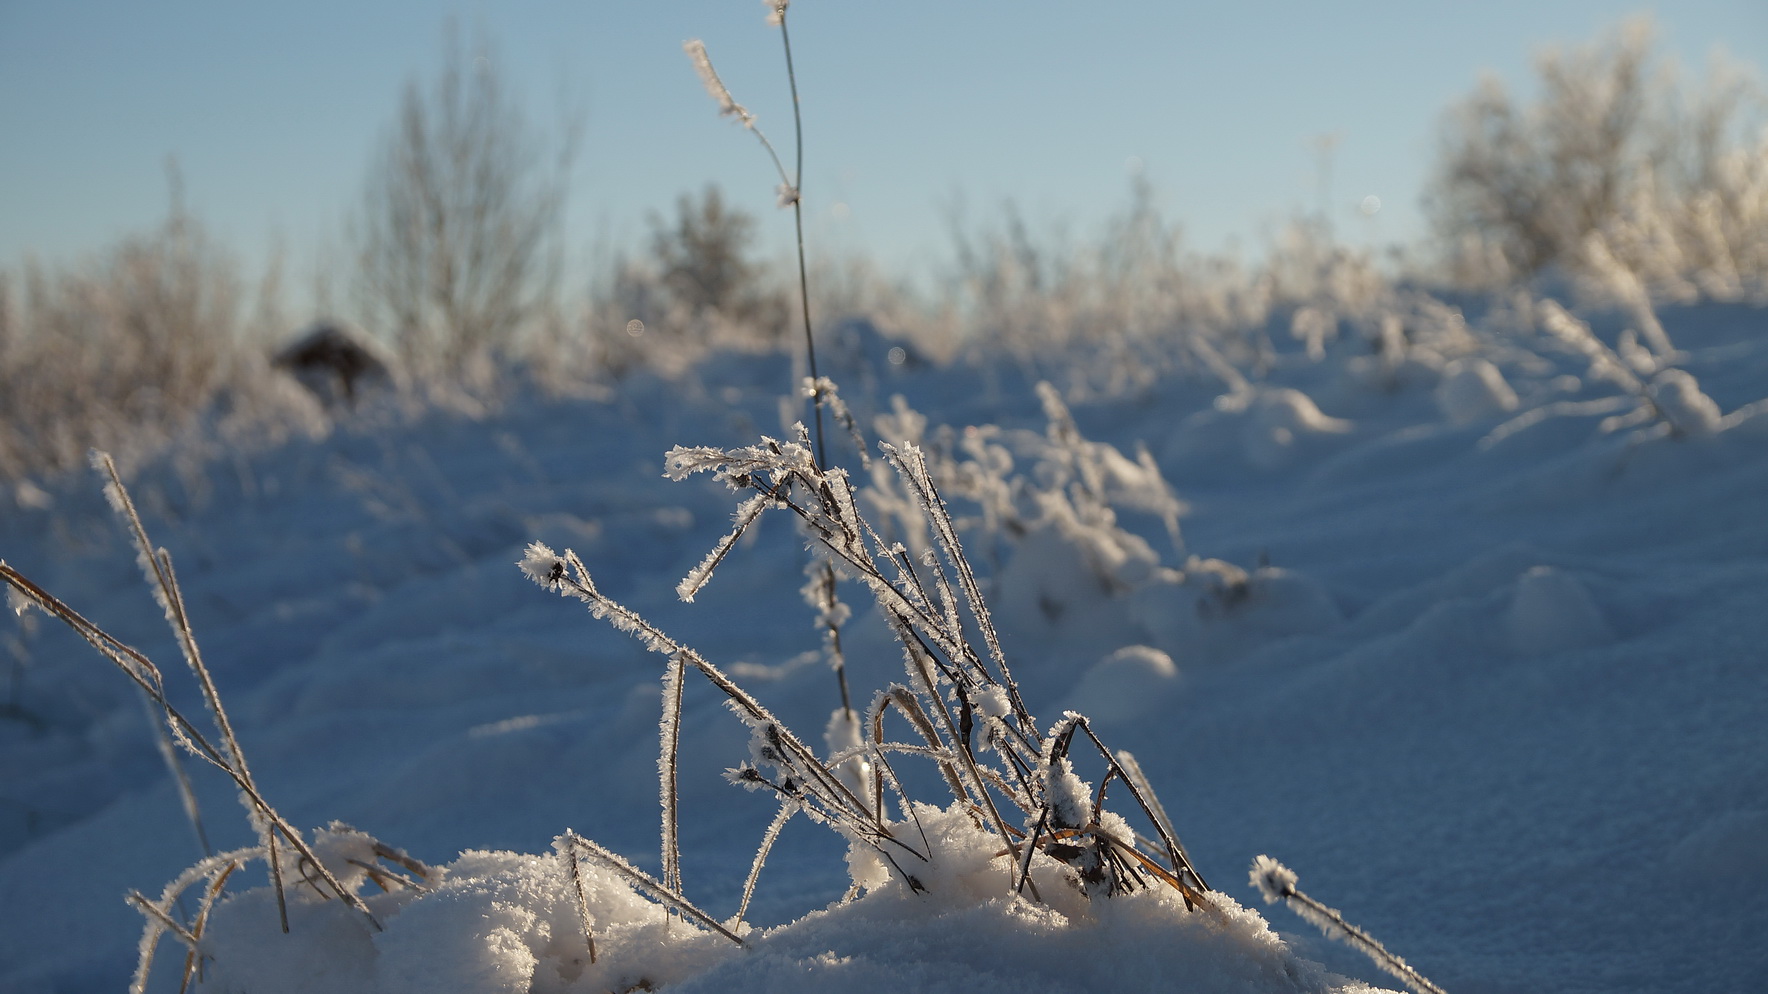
(1458, 615)
(1452, 659)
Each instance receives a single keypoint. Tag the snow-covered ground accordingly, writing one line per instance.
(1475, 643)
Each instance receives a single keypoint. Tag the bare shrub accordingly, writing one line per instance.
(122, 351)
(1037, 293)
(1141, 304)
(458, 239)
(699, 287)
(1615, 148)
(710, 284)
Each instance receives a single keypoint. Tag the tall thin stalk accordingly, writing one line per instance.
(791, 189)
(822, 460)
(816, 380)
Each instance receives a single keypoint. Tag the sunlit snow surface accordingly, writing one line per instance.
(1488, 673)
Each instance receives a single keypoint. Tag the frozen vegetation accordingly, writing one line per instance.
(1470, 636)
(1066, 635)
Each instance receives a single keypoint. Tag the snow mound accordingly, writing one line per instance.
(496, 922)
(1551, 611)
(1277, 420)
(1215, 611)
(1131, 683)
(1473, 390)
(1678, 395)
(1065, 578)
(1266, 429)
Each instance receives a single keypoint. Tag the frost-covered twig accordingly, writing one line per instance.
(820, 594)
(668, 749)
(159, 913)
(744, 516)
(274, 830)
(830, 798)
(1672, 396)
(1144, 791)
(568, 854)
(1276, 882)
(788, 808)
(157, 566)
(641, 880)
(158, 577)
(791, 187)
(1604, 362)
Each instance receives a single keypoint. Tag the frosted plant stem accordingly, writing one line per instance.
(218, 868)
(572, 579)
(157, 575)
(768, 838)
(193, 958)
(822, 459)
(1180, 859)
(968, 765)
(167, 922)
(647, 883)
(146, 675)
(913, 467)
(180, 776)
(828, 607)
(1276, 882)
(569, 855)
(157, 566)
(1143, 791)
(789, 185)
(904, 701)
(670, 748)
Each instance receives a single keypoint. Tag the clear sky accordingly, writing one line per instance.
(914, 109)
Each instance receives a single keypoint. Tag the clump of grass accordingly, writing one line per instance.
(281, 847)
(1013, 776)
(958, 681)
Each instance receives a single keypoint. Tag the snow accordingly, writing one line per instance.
(1476, 649)
(1130, 683)
(1552, 612)
(1679, 396)
(1472, 389)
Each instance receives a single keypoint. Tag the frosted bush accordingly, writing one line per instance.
(1058, 484)
(1615, 166)
(148, 344)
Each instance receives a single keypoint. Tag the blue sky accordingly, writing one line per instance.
(916, 111)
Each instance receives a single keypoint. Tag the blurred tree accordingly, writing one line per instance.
(1527, 185)
(703, 262)
(458, 241)
(701, 258)
(1533, 181)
